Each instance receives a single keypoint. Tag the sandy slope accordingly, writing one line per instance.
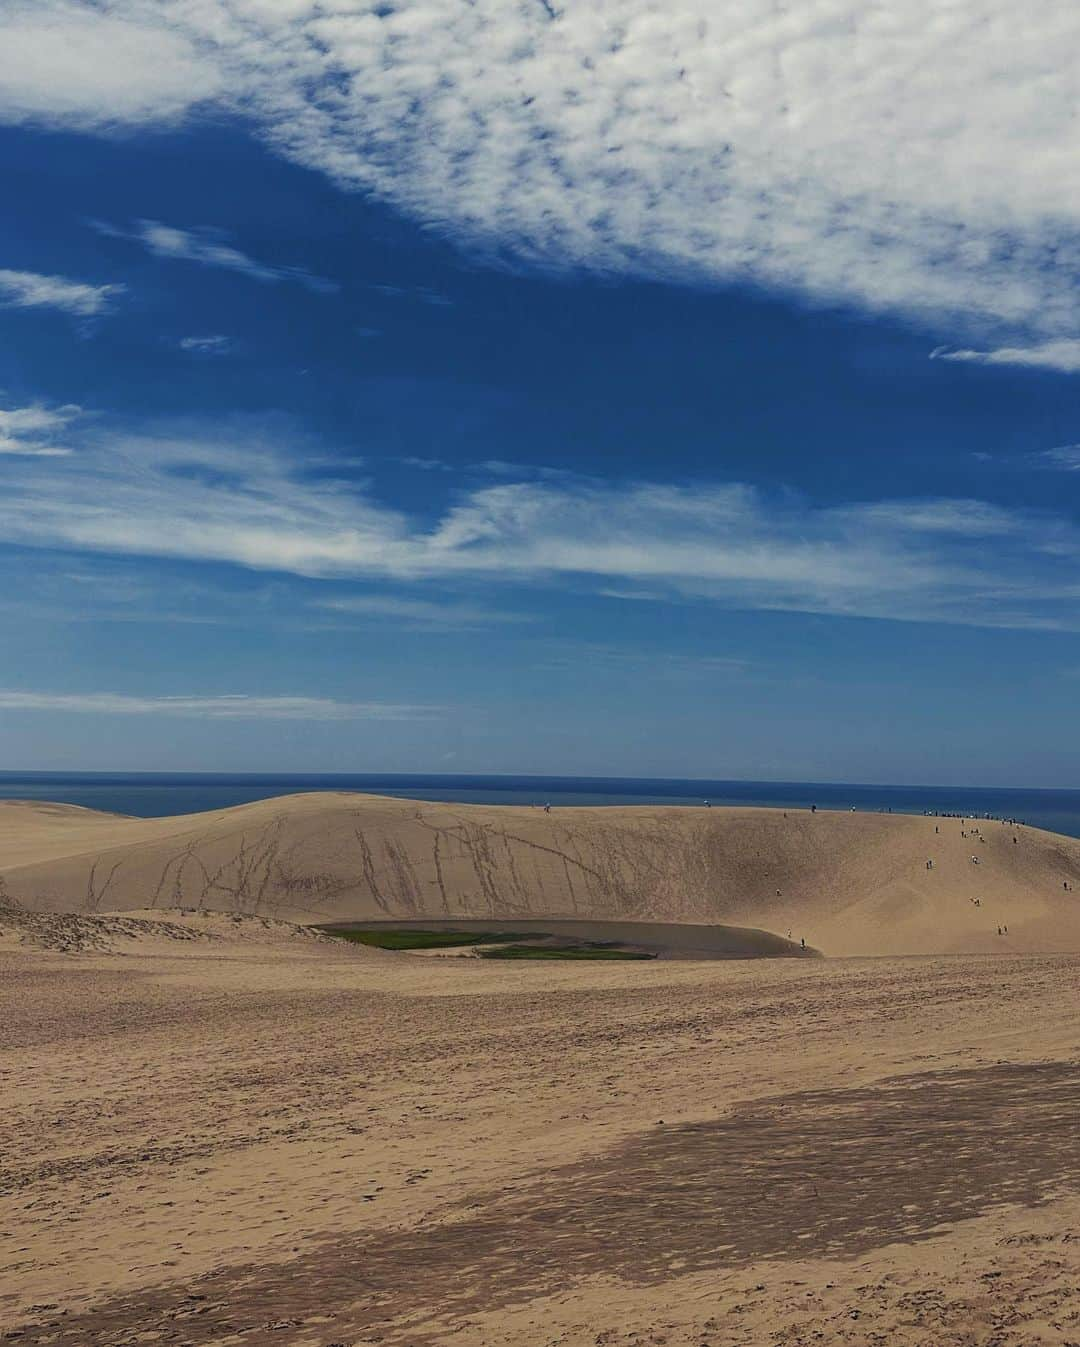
(289, 1143)
(174, 932)
(847, 883)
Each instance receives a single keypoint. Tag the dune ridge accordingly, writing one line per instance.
(849, 883)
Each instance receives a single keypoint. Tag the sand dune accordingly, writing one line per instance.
(221, 1127)
(848, 883)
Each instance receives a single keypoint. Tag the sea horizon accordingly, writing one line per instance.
(157, 794)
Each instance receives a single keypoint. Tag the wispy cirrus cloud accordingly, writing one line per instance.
(28, 431)
(425, 464)
(260, 499)
(818, 149)
(239, 706)
(1062, 355)
(427, 614)
(492, 467)
(958, 518)
(209, 247)
(36, 417)
(32, 290)
(653, 664)
(1062, 458)
(216, 344)
(423, 293)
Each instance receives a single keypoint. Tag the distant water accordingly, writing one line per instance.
(152, 794)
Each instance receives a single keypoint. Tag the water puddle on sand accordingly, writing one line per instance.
(830, 1173)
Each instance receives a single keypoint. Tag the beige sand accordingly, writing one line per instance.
(846, 883)
(254, 1137)
(220, 1128)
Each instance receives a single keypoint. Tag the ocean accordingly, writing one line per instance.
(154, 794)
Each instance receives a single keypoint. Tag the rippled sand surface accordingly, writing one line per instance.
(243, 1135)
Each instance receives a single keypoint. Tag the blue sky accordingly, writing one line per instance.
(646, 390)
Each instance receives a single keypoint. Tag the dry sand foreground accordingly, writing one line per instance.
(249, 1136)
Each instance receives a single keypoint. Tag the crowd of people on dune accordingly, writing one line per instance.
(976, 833)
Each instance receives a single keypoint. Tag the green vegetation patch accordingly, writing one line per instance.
(523, 944)
(563, 952)
(410, 938)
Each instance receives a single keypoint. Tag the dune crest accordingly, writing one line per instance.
(848, 883)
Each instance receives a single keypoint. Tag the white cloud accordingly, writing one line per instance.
(34, 419)
(631, 595)
(256, 498)
(655, 665)
(497, 467)
(21, 429)
(29, 290)
(426, 464)
(914, 157)
(209, 247)
(1062, 355)
(27, 449)
(212, 345)
(423, 293)
(964, 518)
(1063, 458)
(70, 64)
(426, 613)
(234, 707)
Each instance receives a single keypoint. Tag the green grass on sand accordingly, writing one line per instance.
(410, 938)
(539, 945)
